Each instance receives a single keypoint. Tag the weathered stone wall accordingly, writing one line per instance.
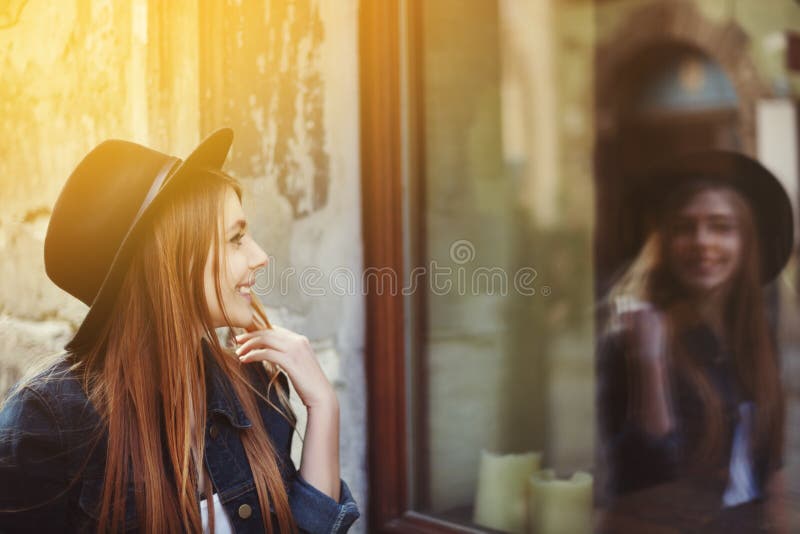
(282, 74)
(66, 69)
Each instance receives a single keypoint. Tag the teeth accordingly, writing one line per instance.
(244, 290)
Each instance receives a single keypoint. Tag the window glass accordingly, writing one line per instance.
(599, 307)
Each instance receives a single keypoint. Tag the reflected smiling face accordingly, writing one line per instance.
(239, 258)
(704, 240)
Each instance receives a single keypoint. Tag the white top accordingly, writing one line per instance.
(742, 481)
(222, 524)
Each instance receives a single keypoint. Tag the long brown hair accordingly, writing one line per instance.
(649, 278)
(146, 375)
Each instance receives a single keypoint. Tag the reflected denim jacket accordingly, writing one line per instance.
(51, 475)
(637, 460)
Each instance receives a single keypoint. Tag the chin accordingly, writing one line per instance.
(704, 286)
(242, 320)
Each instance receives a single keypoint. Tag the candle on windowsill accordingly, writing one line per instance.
(500, 499)
(560, 506)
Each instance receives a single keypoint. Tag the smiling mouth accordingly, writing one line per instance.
(704, 266)
(244, 290)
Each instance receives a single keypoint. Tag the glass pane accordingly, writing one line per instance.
(566, 237)
(507, 363)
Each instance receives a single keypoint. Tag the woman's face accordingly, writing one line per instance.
(704, 242)
(237, 263)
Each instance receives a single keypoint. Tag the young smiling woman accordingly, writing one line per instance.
(148, 421)
(688, 373)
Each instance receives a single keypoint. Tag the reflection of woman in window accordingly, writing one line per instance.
(689, 377)
(149, 421)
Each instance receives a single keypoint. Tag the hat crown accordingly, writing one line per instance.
(97, 207)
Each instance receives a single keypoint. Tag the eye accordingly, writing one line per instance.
(682, 227)
(237, 239)
(723, 227)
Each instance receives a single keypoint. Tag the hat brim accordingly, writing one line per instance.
(210, 153)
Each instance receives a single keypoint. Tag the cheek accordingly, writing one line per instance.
(209, 287)
(734, 246)
(678, 247)
(228, 270)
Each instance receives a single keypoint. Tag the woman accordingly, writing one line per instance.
(148, 421)
(689, 384)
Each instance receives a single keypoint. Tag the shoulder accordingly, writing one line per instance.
(52, 399)
(58, 385)
(42, 447)
(31, 418)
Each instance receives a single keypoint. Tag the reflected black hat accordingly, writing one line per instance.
(771, 206)
(96, 220)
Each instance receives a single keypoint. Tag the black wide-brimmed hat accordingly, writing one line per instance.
(767, 197)
(98, 218)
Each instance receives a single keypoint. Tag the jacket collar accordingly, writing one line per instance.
(220, 396)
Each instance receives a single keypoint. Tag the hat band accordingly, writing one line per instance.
(156, 185)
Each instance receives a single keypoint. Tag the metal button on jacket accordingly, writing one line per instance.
(245, 511)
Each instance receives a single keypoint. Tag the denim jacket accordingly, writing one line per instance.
(636, 460)
(48, 426)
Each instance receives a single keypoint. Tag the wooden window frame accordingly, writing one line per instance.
(381, 177)
(392, 145)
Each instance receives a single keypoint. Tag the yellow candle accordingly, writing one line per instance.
(560, 506)
(501, 493)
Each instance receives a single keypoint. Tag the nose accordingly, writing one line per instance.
(258, 258)
(702, 235)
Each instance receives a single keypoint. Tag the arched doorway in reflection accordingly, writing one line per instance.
(673, 99)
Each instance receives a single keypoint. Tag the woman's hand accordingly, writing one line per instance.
(319, 464)
(646, 335)
(293, 353)
(649, 401)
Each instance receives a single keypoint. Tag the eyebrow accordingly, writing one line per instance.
(718, 215)
(241, 223)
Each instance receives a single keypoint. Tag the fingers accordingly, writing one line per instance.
(263, 341)
(271, 338)
(258, 355)
(277, 336)
(292, 338)
(273, 330)
(277, 344)
(250, 334)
